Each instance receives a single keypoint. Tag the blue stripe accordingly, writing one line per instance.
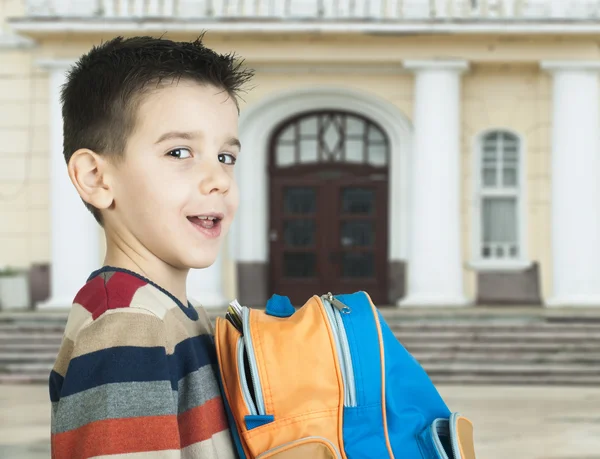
(132, 363)
(55, 383)
(190, 355)
(115, 365)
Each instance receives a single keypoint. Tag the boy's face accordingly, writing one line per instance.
(174, 191)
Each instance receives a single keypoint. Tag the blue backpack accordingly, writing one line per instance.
(330, 380)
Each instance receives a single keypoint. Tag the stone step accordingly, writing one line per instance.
(496, 327)
(524, 369)
(31, 327)
(417, 345)
(9, 341)
(492, 335)
(32, 378)
(515, 379)
(12, 357)
(507, 357)
(26, 368)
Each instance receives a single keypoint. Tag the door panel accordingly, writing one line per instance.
(328, 235)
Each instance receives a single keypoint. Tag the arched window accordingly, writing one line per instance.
(500, 198)
(330, 137)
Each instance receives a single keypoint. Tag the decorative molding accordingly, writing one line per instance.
(458, 65)
(557, 66)
(10, 40)
(513, 265)
(328, 68)
(42, 26)
(55, 64)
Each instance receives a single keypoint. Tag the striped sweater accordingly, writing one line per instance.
(136, 373)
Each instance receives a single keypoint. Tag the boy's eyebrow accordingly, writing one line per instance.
(231, 141)
(178, 135)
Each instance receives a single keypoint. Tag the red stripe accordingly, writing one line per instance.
(117, 436)
(92, 296)
(121, 288)
(201, 423)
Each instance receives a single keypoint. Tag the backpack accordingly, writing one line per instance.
(330, 380)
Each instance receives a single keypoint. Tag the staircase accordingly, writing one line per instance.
(494, 349)
(455, 346)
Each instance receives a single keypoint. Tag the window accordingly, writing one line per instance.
(330, 137)
(499, 202)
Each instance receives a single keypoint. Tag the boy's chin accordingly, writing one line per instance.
(201, 262)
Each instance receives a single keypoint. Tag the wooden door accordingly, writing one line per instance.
(328, 198)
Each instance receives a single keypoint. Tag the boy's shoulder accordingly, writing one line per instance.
(113, 291)
(110, 289)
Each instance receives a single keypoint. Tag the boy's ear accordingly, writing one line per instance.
(88, 172)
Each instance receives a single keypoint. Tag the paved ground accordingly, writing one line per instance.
(510, 422)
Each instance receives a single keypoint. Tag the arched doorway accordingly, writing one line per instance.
(328, 198)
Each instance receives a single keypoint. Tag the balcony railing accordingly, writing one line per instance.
(319, 10)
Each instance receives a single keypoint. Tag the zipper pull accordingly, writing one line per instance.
(337, 303)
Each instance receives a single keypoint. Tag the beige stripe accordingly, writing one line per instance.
(203, 313)
(78, 316)
(152, 299)
(179, 327)
(165, 454)
(120, 327)
(217, 447)
(64, 357)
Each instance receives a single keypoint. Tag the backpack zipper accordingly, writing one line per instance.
(241, 348)
(334, 309)
(454, 438)
(260, 403)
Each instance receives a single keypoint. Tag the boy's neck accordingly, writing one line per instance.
(171, 279)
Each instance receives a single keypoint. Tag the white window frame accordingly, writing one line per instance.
(478, 262)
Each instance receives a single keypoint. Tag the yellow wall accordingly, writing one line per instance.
(504, 88)
(24, 207)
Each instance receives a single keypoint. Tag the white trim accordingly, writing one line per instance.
(10, 40)
(477, 262)
(433, 300)
(436, 64)
(493, 265)
(363, 68)
(55, 64)
(574, 301)
(557, 66)
(42, 26)
(256, 125)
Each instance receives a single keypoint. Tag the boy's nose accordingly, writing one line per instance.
(214, 179)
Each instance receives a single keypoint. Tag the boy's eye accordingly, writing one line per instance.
(227, 158)
(180, 153)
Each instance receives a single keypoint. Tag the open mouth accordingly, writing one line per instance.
(209, 225)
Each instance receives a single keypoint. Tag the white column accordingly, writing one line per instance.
(435, 274)
(205, 286)
(575, 183)
(75, 235)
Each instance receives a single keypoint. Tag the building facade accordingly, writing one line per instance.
(433, 153)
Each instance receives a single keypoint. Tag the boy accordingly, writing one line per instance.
(150, 139)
